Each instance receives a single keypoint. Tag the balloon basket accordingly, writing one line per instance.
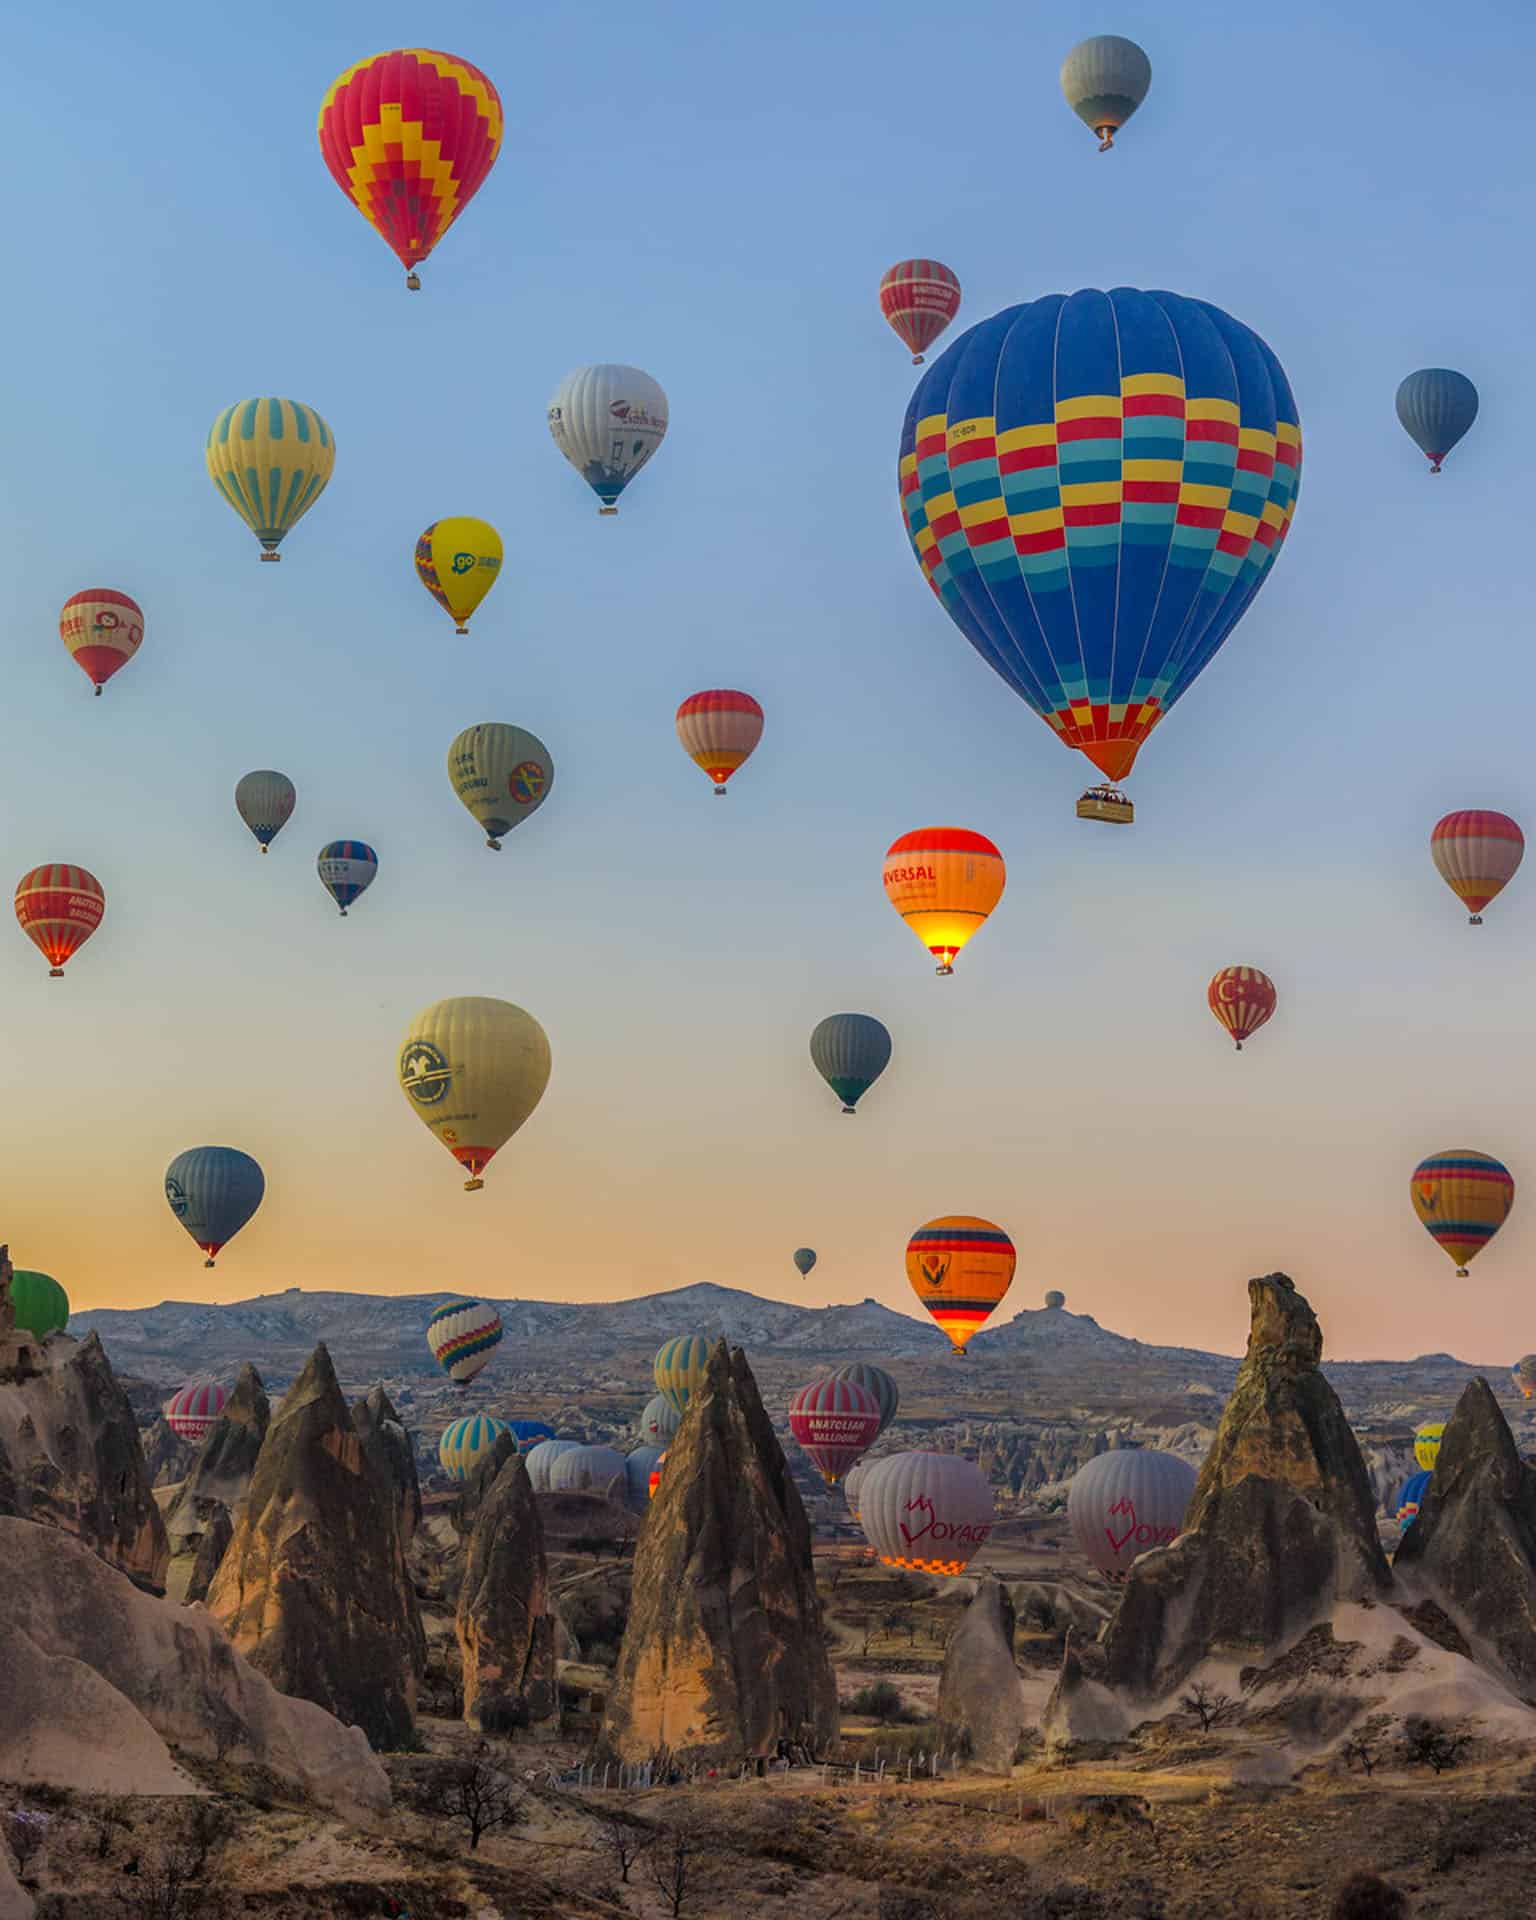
(55, 973)
(1474, 920)
(473, 1186)
(1106, 803)
(944, 971)
(461, 630)
(207, 1263)
(271, 556)
(720, 791)
(413, 281)
(850, 1109)
(602, 512)
(494, 845)
(98, 693)
(263, 849)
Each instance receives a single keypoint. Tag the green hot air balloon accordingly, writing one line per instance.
(876, 1382)
(1105, 80)
(42, 1305)
(850, 1051)
(1436, 407)
(805, 1258)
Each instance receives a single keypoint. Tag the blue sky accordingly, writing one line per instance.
(713, 196)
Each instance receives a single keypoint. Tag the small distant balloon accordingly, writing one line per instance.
(1436, 407)
(1476, 853)
(265, 801)
(1105, 80)
(102, 629)
(58, 908)
(213, 1191)
(944, 881)
(347, 869)
(850, 1051)
(461, 1337)
(1055, 1298)
(502, 775)
(1242, 999)
(805, 1259)
(1462, 1198)
(458, 561)
(919, 298)
(1524, 1372)
(719, 729)
(608, 420)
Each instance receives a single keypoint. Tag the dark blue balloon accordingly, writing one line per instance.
(1436, 406)
(850, 1051)
(213, 1191)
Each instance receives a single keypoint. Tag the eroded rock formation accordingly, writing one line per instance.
(313, 1587)
(1282, 1523)
(1080, 1708)
(167, 1457)
(220, 1475)
(723, 1656)
(505, 1630)
(389, 1447)
(981, 1697)
(1473, 1547)
(211, 1549)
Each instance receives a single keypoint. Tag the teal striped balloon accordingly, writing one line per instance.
(270, 459)
(679, 1368)
(465, 1443)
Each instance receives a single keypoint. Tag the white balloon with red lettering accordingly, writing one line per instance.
(1125, 1503)
(834, 1421)
(929, 1511)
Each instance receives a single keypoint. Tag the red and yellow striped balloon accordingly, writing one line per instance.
(1462, 1198)
(409, 137)
(58, 908)
(1477, 854)
(960, 1267)
(919, 298)
(102, 629)
(1242, 999)
(719, 729)
(944, 881)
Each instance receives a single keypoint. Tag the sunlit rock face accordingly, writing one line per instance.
(220, 1475)
(504, 1625)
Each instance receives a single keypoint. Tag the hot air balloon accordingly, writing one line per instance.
(833, 1422)
(409, 137)
(1095, 487)
(540, 1461)
(944, 881)
(1436, 407)
(1476, 853)
(102, 629)
(1426, 1443)
(919, 298)
(655, 1476)
(502, 774)
(528, 1433)
(850, 1051)
(41, 1304)
(929, 1511)
(679, 1368)
(876, 1382)
(1524, 1372)
(640, 1468)
(1411, 1497)
(1105, 80)
(805, 1259)
(264, 800)
(1462, 1198)
(852, 1480)
(719, 730)
(1242, 999)
(960, 1267)
(1124, 1503)
(213, 1191)
(58, 908)
(659, 1419)
(346, 869)
(458, 561)
(193, 1411)
(461, 1336)
(467, 1442)
(589, 1470)
(608, 421)
(270, 459)
(473, 1070)
(1055, 1298)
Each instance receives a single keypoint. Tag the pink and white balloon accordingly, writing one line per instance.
(192, 1411)
(833, 1422)
(930, 1511)
(1126, 1503)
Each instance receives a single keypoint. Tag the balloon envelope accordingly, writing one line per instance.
(659, 1419)
(465, 1443)
(833, 1422)
(1411, 1497)
(265, 800)
(1124, 1503)
(877, 1383)
(919, 298)
(502, 774)
(193, 1411)
(528, 1433)
(639, 1466)
(409, 136)
(1105, 80)
(540, 1461)
(1055, 1298)
(213, 1191)
(347, 868)
(58, 908)
(1095, 487)
(1242, 999)
(805, 1258)
(1436, 407)
(102, 629)
(853, 1479)
(40, 1303)
(719, 729)
(589, 1470)
(1462, 1198)
(608, 420)
(850, 1051)
(1476, 853)
(1426, 1444)
(655, 1479)
(271, 460)
(1524, 1373)
(458, 561)
(461, 1336)
(929, 1511)
(679, 1368)
(960, 1267)
(944, 881)
(473, 1070)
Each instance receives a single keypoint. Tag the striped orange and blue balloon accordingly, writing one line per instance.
(960, 1267)
(462, 1335)
(1462, 1198)
(1096, 485)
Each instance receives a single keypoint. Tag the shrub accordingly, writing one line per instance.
(1428, 1745)
(1366, 1896)
(882, 1702)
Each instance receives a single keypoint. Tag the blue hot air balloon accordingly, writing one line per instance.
(213, 1191)
(528, 1433)
(346, 869)
(1411, 1498)
(1436, 407)
(850, 1051)
(1096, 486)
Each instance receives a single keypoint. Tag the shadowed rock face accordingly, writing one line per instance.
(980, 1693)
(388, 1446)
(505, 1631)
(1473, 1546)
(71, 1457)
(1282, 1523)
(210, 1554)
(1080, 1708)
(167, 1457)
(221, 1473)
(313, 1587)
(723, 1654)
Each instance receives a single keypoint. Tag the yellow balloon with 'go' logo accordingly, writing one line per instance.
(458, 561)
(473, 1070)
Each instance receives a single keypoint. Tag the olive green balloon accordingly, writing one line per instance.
(42, 1305)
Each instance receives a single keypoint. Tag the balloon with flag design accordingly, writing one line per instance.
(944, 882)
(271, 460)
(1242, 999)
(461, 1336)
(1462, 1198)
(102, 629)
(58, 908)
(409, 136)
(919, 298)
(719, 729)
(1476, 852)
(960, 1267)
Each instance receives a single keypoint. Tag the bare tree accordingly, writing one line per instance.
(1360, 1752)
(1426, 1745)
(624, 1839)
(25, 1831)
(673, 1862)
(478, 1793)
(1208, 1706)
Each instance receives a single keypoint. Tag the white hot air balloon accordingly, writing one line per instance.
(852, 1480)
(930, 1511)
(659, 1420)
(589, 1470)
(264, 801)
(1126, 1503)
(540, 1461)
(608, 421)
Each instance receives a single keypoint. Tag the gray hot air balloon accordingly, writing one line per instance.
(850, 1051)
(853, 1479)
(589, 1470)
(264, 800)
(929, 1511)
(659, 1420)
(213, 1191)
(1105, 80)
(877, 1383)
(805, 1259)
(1055, 1298)
(1125, 1503)
(540, 1461)
(1436, 407)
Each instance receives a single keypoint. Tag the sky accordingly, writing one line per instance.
(712, 194)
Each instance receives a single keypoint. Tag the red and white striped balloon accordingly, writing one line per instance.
(919, 298)
(58, 908)
(834, 1421)
(193, 1410)
(1477, 854)
(1242, 999)
(719, 729)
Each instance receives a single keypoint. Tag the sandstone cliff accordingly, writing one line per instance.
(504, 1625)
(220, 1475)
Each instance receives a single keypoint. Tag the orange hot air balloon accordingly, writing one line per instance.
(944, 881)
(1242, 999)
(1476, 853)
(409, 137)
(58, 908)
(719, 730)
(1462, 1198)
(960, 1267)
(102, 629)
